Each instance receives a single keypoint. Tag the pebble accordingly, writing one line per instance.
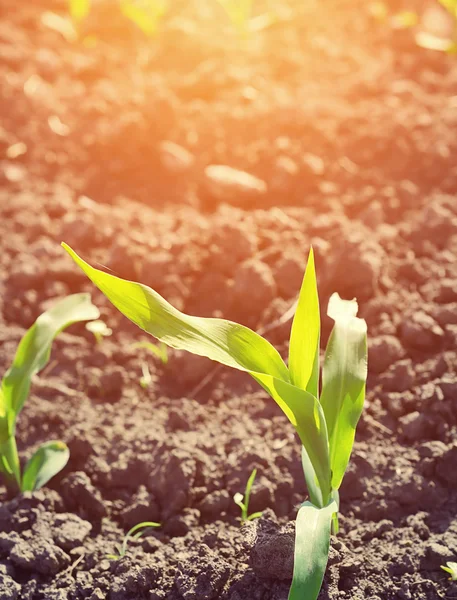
(420, 331)
(222, 183)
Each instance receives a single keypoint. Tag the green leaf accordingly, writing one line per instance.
(228, 343)
(312, 544)
(79, 9)
(451, 568)
(305, 334)
(48, 460)
(343, 382)
(305, 413)
(33, 354)
(223, 341)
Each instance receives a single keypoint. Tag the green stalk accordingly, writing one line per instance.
(10, 461)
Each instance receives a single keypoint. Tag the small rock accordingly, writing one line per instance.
(399, 377)
(419, 331)
(180, 525)
(143, 507)
(71, 530)
(414, 425)
(272, 553)
(254, 288)
(112, 384)
(172, 479)
(215, 504)
(383, 352)
(174, 158)
(445, 466)
(78, 492)
(39, 555)
(288, 275)
(435, 556)
(222, 183)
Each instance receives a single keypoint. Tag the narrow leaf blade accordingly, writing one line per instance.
(312, 544)
(48, 460)
(33, 354)
(228, 343)
(223, 341)
(305, 334)
(343, 382)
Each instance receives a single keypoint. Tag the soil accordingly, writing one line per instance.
(348, 131)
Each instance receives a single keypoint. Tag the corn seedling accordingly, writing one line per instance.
(325, 422)
(451, 568)
(243, 501)
(31, 356)
(146, 379)
(99, 329)
(159, 350)
(133, 534)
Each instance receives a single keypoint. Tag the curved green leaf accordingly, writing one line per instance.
(33, 354)
(305, 334)
(223, 341)
(228, 343)
(343, 382)
(312, 544)
(48, 460)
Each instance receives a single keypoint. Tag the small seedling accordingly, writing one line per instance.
(99, 329)
(146, 379)
(159, 350)
(133, 534)
(243, 501)
(451, 568)
(31, 356)
(324, 416)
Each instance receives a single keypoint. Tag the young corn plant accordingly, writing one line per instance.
(31, 356)
(133, 534)
(99, 329)
(243, 501)
(451, 568)
(325, 419)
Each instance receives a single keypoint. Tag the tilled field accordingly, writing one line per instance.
(349, 131)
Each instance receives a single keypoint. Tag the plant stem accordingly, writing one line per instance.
(9, 461)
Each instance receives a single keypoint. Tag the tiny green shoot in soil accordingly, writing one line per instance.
(451, 568)
(133, 534)
(99, 329)
(243, 501)
(32, 355)
(325, 419)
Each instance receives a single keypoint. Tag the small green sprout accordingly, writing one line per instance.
(32, 355)
(451, 568)
(99, 329)
(325, 415)
(243, 501)
(133, 534)
(159, 350)
(146, 378)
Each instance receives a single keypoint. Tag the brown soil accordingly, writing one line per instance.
(352, 130)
